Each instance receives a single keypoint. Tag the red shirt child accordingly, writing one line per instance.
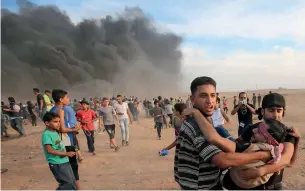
(86, 118)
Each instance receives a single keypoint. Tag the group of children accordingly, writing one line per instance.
(59, 139)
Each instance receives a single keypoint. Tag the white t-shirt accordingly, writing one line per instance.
(121, 108)
(16, 107)
(169, 109)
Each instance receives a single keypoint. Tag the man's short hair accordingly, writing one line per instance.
(47, 91)
(58, 94)
(49, 116)
(36, 90)
(119, 96)
(242, 93)
(199, 81)
(105, 98)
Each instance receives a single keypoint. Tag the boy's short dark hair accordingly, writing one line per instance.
(47, 91)
(58, 94)
(105, 98)
(180, 107)
(199, 81)
(49, 116)
(155, 102)
(119, 96)
(11, 99)
(36, 90)
(277, 130)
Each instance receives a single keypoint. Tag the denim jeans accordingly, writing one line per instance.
(90, 140)
(17, 125)
(158, 126)
(42, 113)
(224, 133)
(124, 129)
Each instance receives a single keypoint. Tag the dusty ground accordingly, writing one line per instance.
(137, 166)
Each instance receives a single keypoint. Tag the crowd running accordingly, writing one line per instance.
(207, 156)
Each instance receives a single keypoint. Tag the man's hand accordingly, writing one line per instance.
(70, 154)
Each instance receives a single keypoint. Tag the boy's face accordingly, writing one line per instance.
(65, 100)
(85, 106)
(54, 123)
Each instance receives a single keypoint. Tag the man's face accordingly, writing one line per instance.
(48, 94)
(157, 105)
(205, 98)
(242, 97)
(119, 99)
(105, 103)
(35, 93)
(273, 113)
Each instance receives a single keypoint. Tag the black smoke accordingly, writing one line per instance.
(124, 54)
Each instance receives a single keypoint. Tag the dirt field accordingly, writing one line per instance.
(137, 166)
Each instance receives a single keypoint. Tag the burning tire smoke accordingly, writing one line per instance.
(126, 54)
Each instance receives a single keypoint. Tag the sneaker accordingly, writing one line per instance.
(116, 148)
(123, 143)
(127, 143)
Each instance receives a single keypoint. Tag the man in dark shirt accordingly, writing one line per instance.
(273, 107)
(245, 111)
(259, 99)
(42, 108)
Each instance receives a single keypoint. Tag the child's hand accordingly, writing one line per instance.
(71, 154)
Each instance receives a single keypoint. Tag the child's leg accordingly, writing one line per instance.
(64, 176)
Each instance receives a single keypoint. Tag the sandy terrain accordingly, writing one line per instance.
(137, 166)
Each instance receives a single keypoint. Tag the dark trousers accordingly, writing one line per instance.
(90, 140)
(17, 125)
(34, 120)
(64, 176)
(158, 126)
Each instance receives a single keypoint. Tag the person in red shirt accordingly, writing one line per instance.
(86, 116)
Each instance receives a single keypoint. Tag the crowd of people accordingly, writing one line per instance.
(207, 156)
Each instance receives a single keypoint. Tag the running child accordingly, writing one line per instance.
(86, 116)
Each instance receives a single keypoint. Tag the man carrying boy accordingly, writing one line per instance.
(55, 153)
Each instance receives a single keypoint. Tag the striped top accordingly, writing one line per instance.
(193, 166)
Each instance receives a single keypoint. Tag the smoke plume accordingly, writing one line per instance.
(124, 54)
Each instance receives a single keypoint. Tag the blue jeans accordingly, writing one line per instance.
(135, 116)
(124, 129)
(42, 113)
(17, 125)
(224, 133)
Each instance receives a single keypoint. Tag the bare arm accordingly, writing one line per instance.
(50, 150)
(226, 117)
(211, 134)
(225, 160)
(63, 127)
(234, 111)
(271, 168)
(295, 133)
(251, 109)
(169, 147)
(129, 115)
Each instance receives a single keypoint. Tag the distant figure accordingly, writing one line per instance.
(270, 92)
(254, 100)
(225, 104)
(259, 99)
(218, 98)
(235, 101)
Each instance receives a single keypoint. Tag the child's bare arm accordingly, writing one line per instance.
(50, 150)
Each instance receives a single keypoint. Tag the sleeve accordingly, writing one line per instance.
(46, 139)
(206, 150)
(290, 139)
(247, 133)
(39, 97)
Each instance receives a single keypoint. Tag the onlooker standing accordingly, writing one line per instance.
(40, 102)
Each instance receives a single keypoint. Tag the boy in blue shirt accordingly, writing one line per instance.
(55, 153)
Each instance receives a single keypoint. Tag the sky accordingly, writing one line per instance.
(242, 44)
